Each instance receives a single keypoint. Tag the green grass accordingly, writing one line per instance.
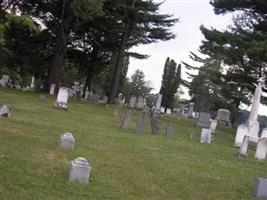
(125, 165)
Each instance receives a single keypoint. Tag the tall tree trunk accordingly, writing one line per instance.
(58, 59)
(118, 64)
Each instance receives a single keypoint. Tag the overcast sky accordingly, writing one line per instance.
(192, 14)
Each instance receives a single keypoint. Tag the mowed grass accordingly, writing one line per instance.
(125, 164)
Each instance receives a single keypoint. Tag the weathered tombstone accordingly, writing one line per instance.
(140, 103)
(80, 170)
(140, 126)
(62, 99)
(155, 126)
(169, 131)
(5, 111)
(244, 147)
(158, 102)
(190, 113)
(42, 97)
(205, 136)
(67, 141)
(120, 99)
(93, 98)
(4, 81)
(242, 130)
(126, 120)
(203, 120)
(260, 188)
(223, 115)
(32, 86)
(52, 89)
(261, 149)
(168, 111)
(196, 115)
(132, 102)
(264, 133)
(162, 110)
(213, 126)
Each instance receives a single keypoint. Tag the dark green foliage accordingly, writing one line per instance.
(171, 80)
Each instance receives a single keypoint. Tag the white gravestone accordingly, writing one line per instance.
(223, 115)
(140, 103)
(32, 83)
(4, 80)
(67, 141)
(205, 136)
(261, 149)
(80, 170)
(5, 111)
(168, 111)
(162, 110)
(242, 130)
(213, 126)
(132, 102)
(244, 147)
(264, 133)
(52, 89)
(62, 98)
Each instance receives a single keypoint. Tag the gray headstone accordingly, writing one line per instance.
(261, 149)
(203, 120)
(93, 98)
(80, 170)
(132, 102)
(126, 120)
(5, 111)
(155, 126)
(62, 98)
(223, 115)
(140, 126)
(260, 188)
(158, 102)
(52, 89)
(244, 147)
(191, 110)
(67, 141)
(169, 131)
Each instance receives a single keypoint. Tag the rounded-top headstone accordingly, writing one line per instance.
(67, 141)
(223, 115)
(80, 170)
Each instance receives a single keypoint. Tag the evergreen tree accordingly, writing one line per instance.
(171, 79)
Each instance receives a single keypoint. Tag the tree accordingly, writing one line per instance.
(171, 80)
(138, 85)
(137, 22)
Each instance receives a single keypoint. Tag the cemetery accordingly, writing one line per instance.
(118, 162)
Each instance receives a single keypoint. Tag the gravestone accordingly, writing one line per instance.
(190, 112)
(126, 120)
(80, 170)
(62, 99)
(169, 131)
(132, 102)
(242, 130)
(260, 188)
(261, 149)
(93, 98)
(140, 103)
(120, 99)
(244, 147)
(140, 126)
(203, 120)
(67, 141)
(155, 126)
(205, 136)
(162, 110)
(264, 133)
(52, 89)
(223, 115)
(5, 111)
(158, 102)
(213, 126)
(42, 97)
(32, 85)
(4, 81)
(168, 111)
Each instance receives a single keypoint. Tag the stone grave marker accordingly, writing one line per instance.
(4, 81)
(261, 149)
(5, 111)
(190, 112)
(140, 103)
(93, 98)
(169, 131)
(213, 126)
(244, 147)
(260, 188)
(155, 126)
(264, 133)
(162, 110)
(205, 136)
(203, 120)
(223, 115)
(141, 123)
(158, 102)
(126, 120)
(168, 111)
(52, 89)
(132, 102)
(80, 170)
(62, 99)
(67, 141)
(242, 130)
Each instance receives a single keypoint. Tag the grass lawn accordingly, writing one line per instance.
(125, 165)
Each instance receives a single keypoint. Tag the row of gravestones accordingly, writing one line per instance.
(141, 122)
(79, 167)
